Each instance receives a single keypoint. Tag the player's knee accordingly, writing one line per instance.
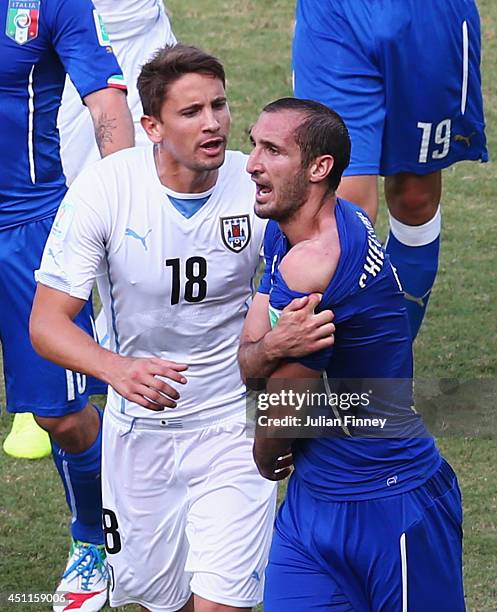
(66, 430)
(413, 199)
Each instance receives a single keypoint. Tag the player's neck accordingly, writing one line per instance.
(179, 178)
(311, 220)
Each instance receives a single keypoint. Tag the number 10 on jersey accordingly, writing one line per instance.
(190, 274)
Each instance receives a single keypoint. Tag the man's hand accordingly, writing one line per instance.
(300, 331)
(137, 380)
(272, 467)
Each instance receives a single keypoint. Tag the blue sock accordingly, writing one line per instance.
(82, 483)
(414, 253)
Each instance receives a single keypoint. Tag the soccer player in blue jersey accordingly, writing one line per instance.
(40, 43)
(369, 522)
(405, 76)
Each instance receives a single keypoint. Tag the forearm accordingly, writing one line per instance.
(258, 359)
(112, 121)
(57, 338)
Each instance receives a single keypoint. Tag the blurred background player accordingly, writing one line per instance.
(40, 42)
(372, 517)
(405, 76)
(135, 28)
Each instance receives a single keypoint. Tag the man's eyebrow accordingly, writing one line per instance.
(197, 105)
(192, 106)
(269, 143)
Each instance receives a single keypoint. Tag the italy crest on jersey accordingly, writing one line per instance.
(22, 20)
(235, 232)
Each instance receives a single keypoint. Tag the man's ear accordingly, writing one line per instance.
(151, 126)
(320, 168)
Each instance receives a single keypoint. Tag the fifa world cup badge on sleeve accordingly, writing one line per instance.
(235, 232)
(22, 20)
(62, 220)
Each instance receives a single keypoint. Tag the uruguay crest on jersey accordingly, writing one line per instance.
(22, 20)
(235, 232)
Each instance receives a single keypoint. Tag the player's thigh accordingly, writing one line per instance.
(144, 516)
(334, 63)
(407, 549)
(296, 579)
(231, 515)
(431, 547)
(32, 383)
(430, 53)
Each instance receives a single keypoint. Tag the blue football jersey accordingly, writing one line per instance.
(40, 42)
(372, 342)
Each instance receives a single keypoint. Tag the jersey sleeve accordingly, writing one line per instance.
(269, 246)
(76, 245)
(280, 296)
(83, 45)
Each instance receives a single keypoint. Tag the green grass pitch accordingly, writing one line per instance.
(458, 339)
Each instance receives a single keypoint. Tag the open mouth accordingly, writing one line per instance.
(263, 192)
(213, 146)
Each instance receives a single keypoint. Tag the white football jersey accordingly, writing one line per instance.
(171, 287)
(125, 18)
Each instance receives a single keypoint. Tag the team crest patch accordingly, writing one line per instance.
(22, 20)
(235, 232)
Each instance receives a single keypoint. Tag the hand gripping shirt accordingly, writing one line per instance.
(372, 344)
(40, 42)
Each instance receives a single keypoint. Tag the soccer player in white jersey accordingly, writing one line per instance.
(170, 235)
(136, 29)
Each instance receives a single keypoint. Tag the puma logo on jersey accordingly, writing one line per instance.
(417, 300)
(142, 239)
(54, 256)
(465, 139)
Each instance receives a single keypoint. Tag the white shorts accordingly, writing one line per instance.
(185, 510)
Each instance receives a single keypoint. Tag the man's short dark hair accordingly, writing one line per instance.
(321, 132)
(166, 66)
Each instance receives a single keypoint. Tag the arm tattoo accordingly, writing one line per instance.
(104, 129)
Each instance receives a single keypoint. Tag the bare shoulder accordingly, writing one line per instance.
(310, 265)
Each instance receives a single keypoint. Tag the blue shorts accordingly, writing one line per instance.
(395, 553)
(32, 383)
(404, 75)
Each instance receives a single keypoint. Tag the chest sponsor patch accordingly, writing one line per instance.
(22, 20)
(235, 232)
